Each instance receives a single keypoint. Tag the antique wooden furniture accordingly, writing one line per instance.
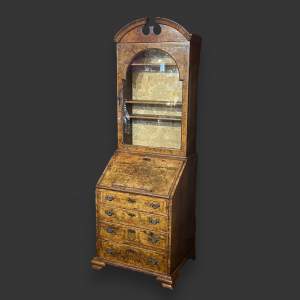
(145, 198)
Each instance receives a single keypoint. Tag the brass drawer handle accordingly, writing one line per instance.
(131, 235)
(152, 238)
(110, 251)
(110, 230)
(152, 261)
(155, 205)
(131, 215)
(109, 197)
(153, 221)
(109, 212)
(130, 200)
(130, 251)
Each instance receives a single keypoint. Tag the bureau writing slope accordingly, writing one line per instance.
(145, 198)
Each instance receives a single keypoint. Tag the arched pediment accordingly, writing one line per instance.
(170, 32)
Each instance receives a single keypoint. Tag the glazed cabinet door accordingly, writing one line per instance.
(152, 101)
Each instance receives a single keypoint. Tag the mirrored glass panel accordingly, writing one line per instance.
(152, 101)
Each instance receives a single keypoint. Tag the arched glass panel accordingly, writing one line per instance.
(152, 101)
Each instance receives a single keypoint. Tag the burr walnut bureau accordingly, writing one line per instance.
(145, 198)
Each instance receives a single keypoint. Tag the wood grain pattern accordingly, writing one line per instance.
(149, 84)
(133, 236)
(155, 133)
(182, 230)
(154, 222)
(131, 201)
(146, 259)
(152, 175)
(132, 33)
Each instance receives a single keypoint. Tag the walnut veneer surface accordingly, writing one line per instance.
(145, 198)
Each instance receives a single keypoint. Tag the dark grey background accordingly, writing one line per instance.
(60, 84)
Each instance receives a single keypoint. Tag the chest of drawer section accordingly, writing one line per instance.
(132, 220)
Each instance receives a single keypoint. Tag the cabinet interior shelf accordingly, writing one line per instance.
(154, 102)
(153, 64)
(155, 117)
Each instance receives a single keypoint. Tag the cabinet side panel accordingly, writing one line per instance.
(193, 93)
(183, 217)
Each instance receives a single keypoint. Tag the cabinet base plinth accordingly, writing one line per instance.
(168, 281)
(97, 264)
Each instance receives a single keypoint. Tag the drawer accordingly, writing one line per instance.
(133, 256)
(132, 201)
(133, 236)
(112, 214)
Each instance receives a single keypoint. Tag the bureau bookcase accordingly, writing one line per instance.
(145, 198)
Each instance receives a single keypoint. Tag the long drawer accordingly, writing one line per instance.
(133, 256)
(112, 214)
(133, 236)
(133, 201)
